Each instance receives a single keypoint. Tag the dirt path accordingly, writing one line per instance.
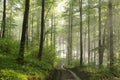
(82, 74)
(64, 75)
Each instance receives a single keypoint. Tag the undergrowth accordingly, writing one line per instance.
(33, 67)
(102, 73)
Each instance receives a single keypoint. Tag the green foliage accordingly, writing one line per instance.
(48, 58)
(96, 73)
(116, 68)
(11, 70)
(8, 46)
(75, 63)
(49, 54)
(100, 74)
(8, 74)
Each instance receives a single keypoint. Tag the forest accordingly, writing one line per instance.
(59, 40)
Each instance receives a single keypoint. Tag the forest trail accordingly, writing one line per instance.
(63, 74)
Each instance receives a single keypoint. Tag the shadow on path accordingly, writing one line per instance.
(81, 74)
(63, 74)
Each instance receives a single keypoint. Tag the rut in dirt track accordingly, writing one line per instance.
(64, 75)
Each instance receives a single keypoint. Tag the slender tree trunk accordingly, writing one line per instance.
(69, 40)
(4, 19)
(24, 31)
(99, 42)
(81, 42)
(38, 25)
(68, 43)
(46, 34)
(60, 43)
(84, 55)
(78, 34)
(94, 44)
(32, 32)
(94, 48)
(42, 31)
(71, 27)
(70, 33)
(52, 29)
(111, 36)
(89, 55)
(11, 15)
(63, 46)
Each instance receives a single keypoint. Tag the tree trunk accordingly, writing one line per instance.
(81, 45)
(11, 17)
(84, 42)
(51, 30)
(70, 34)
(77, 55)
(3, 20)
(89, 55)
(32, 25)
(24, 31)
(42, 31)
(71, 27)
(111, 36)
(94, 48)
(99, 42)
(54, 29)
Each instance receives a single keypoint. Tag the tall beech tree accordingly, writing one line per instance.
(24, 32)
(111, 35)
(89, 32)
(69, 44)
(99, 42)
(3, 19)
(42, 31)
(81, 45)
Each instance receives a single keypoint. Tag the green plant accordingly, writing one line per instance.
(8, 46)
(8, 74)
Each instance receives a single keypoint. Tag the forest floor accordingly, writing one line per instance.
(79, 73)
(11, 70)
(92, 75)
(63, 74)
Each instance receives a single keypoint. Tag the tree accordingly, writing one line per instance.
(81, 45)
(52, 29)
(89, 32)
(42, 32)
(111, 35)
(4, 19)
(99, 42)
(70, 27)
(24, 31)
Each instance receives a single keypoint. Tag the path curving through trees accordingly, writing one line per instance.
(63, 74)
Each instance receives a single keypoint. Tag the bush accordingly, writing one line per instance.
(8, 46)
(7, 74)
(47, 62)
(117, 68)
(48, 57)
